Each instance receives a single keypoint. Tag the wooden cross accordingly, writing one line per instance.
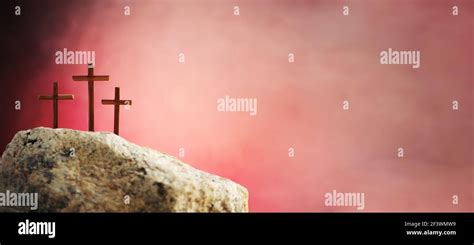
(55, 97)
(116, 102)
(91, 78)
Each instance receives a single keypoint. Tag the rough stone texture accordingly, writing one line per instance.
(102, 169)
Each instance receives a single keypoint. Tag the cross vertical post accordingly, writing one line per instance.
(116, 111)
(55, 105)
(90, 88)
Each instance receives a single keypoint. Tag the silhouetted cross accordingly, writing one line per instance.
(117, 103)
(91, 78)
(55, 97)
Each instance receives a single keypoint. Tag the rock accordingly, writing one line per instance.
(76, 171)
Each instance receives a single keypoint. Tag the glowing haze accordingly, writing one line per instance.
(299, 104)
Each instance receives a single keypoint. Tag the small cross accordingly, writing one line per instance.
(91, 78)
(116, 102)
(55, 97)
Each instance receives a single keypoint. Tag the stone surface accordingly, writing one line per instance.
(77, 171)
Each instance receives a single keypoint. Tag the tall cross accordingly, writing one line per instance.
(91, 78)
(116, 102)
(55, 97)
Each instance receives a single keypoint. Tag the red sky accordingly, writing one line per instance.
(299, 104)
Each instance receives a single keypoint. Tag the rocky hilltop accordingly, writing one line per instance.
(77, 171)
